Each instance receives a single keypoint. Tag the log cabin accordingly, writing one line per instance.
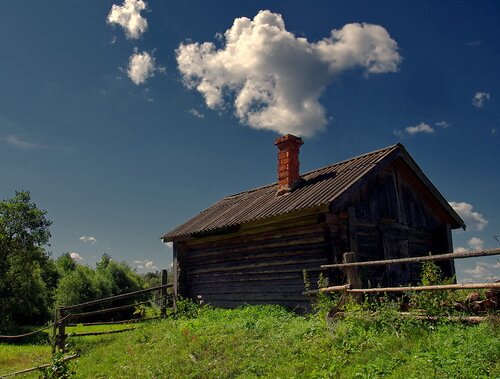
(259, 246)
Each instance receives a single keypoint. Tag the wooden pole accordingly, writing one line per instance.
(131, 321)
(353, 279)
(440, 287)
(351, 271)
(54, 330)
(38, 367)
(327, 289)
(163, 298)
(117, 297)
(101, 333)
(462, 286)
(107, 310)
(439, 257)
(61, 341)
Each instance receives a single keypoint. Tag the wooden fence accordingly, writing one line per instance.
(64, 316)
(353, 285)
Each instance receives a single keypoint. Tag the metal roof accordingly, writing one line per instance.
(317, 188)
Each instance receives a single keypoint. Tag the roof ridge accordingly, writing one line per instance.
(315, 170)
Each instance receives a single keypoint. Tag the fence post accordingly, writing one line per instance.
(352, 275)
(163, 291)
(61, 339)
(54, 330)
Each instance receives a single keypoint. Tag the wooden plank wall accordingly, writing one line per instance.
(389, 208)
(262, 268)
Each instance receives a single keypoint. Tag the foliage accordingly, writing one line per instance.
(433, 302)
(186, 308)
(84, 283)
(27, 275)
(58, 369)
(65, 264)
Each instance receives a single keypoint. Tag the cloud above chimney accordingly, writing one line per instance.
(273, 79)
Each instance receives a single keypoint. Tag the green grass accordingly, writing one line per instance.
(18, 357)
(267, 341)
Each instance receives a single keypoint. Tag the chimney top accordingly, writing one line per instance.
(288, 162)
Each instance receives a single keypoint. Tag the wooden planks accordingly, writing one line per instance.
(265, 268)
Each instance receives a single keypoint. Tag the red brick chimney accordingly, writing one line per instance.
(288, 162)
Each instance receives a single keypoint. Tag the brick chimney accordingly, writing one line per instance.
(288, 162)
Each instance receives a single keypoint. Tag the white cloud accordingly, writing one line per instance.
(420, 128)
(473, 220)
(146, 265)
(141, 66)
(170, 245)
(272, 78)
(480, 98)
(483, 272)
(443, 124)
(196, 113)
(75, 256)
(128, 16)
(460, 249)
(476, 243)
(89, 239)
(20, 144)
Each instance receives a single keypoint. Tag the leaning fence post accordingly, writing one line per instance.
(163, 291)
(352, 274)
(61, 341)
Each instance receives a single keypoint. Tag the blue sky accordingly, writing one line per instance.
(103, 119)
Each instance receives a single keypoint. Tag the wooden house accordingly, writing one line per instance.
(254, 247)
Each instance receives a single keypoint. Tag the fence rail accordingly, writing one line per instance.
(64, 315)
(441, 287)
(117, 297)
(436, 257)
(353, 285)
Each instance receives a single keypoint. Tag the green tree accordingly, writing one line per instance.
(65, 264)
(27, 275)
(109, 278)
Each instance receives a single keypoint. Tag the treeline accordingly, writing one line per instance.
(32, 283)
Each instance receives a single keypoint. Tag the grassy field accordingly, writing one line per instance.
(270, 342)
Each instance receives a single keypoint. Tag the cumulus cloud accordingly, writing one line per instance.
(141, 66)
(196, 113)
(412, 130)
(476, 243)
(272, 79)
(480, 98)
(88, 239)
(75, 256)
(420, 128)
(473, 220)
(128, 16)
(483, 272)
(146, 265)
(443, 124)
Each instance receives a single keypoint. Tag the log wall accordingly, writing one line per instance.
(390, 216)
(258, 268)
